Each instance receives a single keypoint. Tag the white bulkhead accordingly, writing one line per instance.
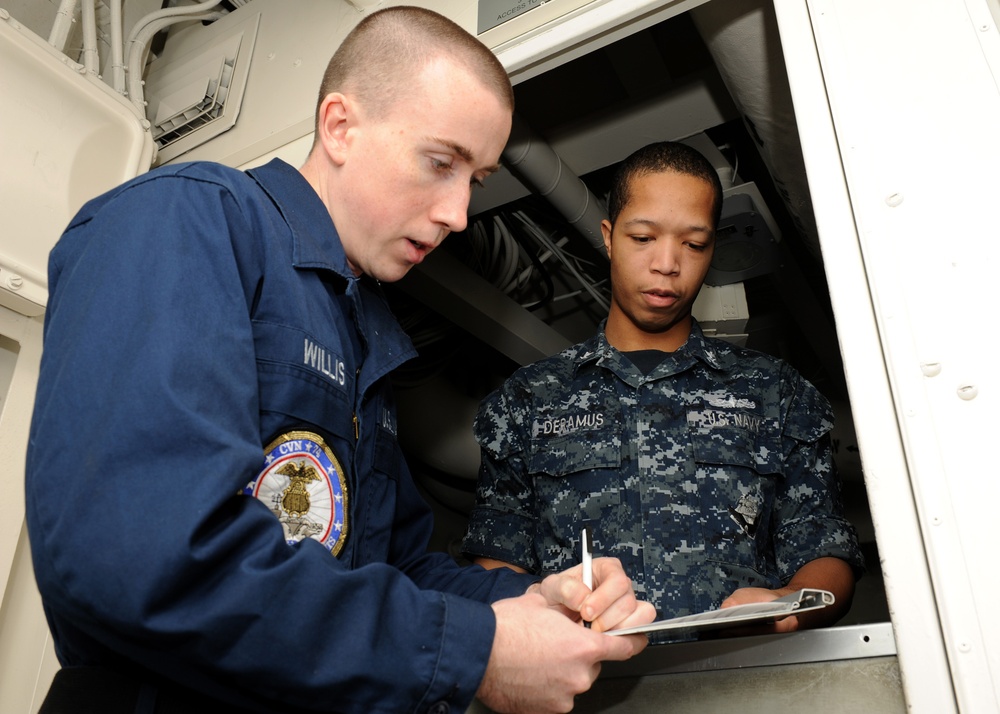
(859, 147)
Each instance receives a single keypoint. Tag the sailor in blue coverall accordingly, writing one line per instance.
(219, 512)
(242, 336)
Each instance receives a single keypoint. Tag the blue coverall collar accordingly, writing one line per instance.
(309, 220)
(316, 245)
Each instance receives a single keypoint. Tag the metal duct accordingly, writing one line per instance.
(534, 162)
(742, 36)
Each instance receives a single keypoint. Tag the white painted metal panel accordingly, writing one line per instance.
(574, 34)
(296, 40)
(66, 138)
(904, 107)
(25, 646)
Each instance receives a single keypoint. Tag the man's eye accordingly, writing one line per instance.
(440, 165)
(698, 247)
(475, 182)
(642, 239)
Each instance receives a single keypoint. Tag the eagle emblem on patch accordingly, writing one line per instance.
(305, 486)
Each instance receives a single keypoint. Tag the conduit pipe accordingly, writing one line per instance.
(89, 57)
(171, 12)
(59, 34)
(742, 37)
(536, 164)
(117, 46)
(142, 34)
(363, 5)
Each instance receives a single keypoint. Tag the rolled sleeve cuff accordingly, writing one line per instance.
(809, 540)
(466, 641)
(501, 536)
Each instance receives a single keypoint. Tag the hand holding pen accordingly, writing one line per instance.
(597, 591)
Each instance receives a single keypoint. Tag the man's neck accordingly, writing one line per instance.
(626, 336)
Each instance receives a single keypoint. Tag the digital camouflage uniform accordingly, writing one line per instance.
(711, 473)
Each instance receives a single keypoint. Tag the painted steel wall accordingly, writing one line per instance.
(66, 138)
(899, 112)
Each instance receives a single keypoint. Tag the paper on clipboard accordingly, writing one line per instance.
(794, 603)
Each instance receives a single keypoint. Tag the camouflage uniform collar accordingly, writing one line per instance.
(716, 354)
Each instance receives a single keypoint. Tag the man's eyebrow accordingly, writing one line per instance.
(464, 152)
(646, 222)
(650, 223)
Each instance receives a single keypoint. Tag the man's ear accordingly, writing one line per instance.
(334, 119)
(606, 229)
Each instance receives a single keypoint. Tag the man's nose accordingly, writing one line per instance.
(452, 208)
(665, 258)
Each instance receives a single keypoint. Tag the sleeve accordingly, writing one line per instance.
(409, 552)
(809, 513)
(145, 428)
(503, 521)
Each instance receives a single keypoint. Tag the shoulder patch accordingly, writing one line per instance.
(305, 486)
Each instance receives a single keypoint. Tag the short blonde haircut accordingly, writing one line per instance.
(381, 56)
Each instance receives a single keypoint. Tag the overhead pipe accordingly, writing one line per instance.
(117, 46)
(91, 61)
(59, 35)
(742, 37)
(142, 34)
(363, 5)
(536, 164)
(171, 12)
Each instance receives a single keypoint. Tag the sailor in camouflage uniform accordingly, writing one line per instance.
(704, 467)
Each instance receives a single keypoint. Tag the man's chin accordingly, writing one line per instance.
(657, 324)
(661, 324)
(391, 273)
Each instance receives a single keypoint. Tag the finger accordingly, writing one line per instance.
(609, 571)
(613, 590)
(790, 623)
(565, 590)
(625, 612)
(787, 624)
(749, 595)
(619, 649)
(643, 614)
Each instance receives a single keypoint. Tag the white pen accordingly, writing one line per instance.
(587, 546)
(588, 564)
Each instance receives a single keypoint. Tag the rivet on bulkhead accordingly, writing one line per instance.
(968, 392)
(931, 369)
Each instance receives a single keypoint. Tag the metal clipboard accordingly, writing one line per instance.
(754, 612)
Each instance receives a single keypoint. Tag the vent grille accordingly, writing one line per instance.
(196, 97)
(208, 109)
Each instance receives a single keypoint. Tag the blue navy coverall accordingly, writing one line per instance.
(196, 315)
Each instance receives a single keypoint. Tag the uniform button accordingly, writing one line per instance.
(440, 708)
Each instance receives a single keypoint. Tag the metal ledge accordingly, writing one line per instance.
(822, 645)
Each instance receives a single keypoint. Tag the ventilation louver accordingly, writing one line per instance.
(196, 97)
(209, 108)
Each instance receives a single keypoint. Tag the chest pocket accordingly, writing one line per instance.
(377, 505)
(738, 469)
(302, 381)
(577, 481)
(732, 438)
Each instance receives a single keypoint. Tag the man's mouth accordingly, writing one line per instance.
(660, 298)
(419, 250)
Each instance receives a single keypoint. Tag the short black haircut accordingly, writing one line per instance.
(661, 157)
